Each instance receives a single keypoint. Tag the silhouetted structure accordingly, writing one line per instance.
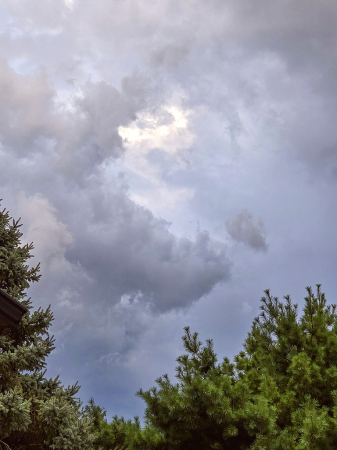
(11, 311)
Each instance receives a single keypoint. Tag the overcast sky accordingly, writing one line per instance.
(170, 161)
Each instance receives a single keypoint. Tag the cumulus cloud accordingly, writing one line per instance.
(49, 236)
(27, 105)
(271, 58)
(170, 55)
(120, 245)
(76, 135)
(242, 229)
(106, 109)
(156, 140)
(126, 249)
(228, 97)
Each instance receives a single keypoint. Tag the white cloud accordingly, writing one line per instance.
(162, 199)
(51, 237)
(69, 3)
(152, 134)
(166, 129)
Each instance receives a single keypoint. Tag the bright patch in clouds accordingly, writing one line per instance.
(163, 199)
(69, 3)
(166, 132)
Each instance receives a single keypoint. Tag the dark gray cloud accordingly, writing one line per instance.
(76, 135)
(105, 260)
(105, 109)
(123, 249)
(170, 55)
(242, 229)
(127, 250)
(222, 104)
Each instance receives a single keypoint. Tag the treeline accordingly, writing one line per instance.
(279, 393)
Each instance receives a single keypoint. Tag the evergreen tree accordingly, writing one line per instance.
(121, 434)
(35, 412)
(290, 366)
(280, 392)
(206, 409)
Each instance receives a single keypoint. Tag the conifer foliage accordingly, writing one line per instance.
(280, 392)
(35, 412)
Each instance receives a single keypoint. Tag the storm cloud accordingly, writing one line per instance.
(242, 229)
(128, 132)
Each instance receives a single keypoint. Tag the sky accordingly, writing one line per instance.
(170, 160)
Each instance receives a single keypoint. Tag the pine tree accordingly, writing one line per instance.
(280, 393)
(290, 365)
(34, 411)
(121, 434)
(206, 409)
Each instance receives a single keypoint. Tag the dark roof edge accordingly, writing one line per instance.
(13, 300)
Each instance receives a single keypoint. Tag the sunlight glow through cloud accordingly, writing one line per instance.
(165, 133)
(149, 131)
(69, 3)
